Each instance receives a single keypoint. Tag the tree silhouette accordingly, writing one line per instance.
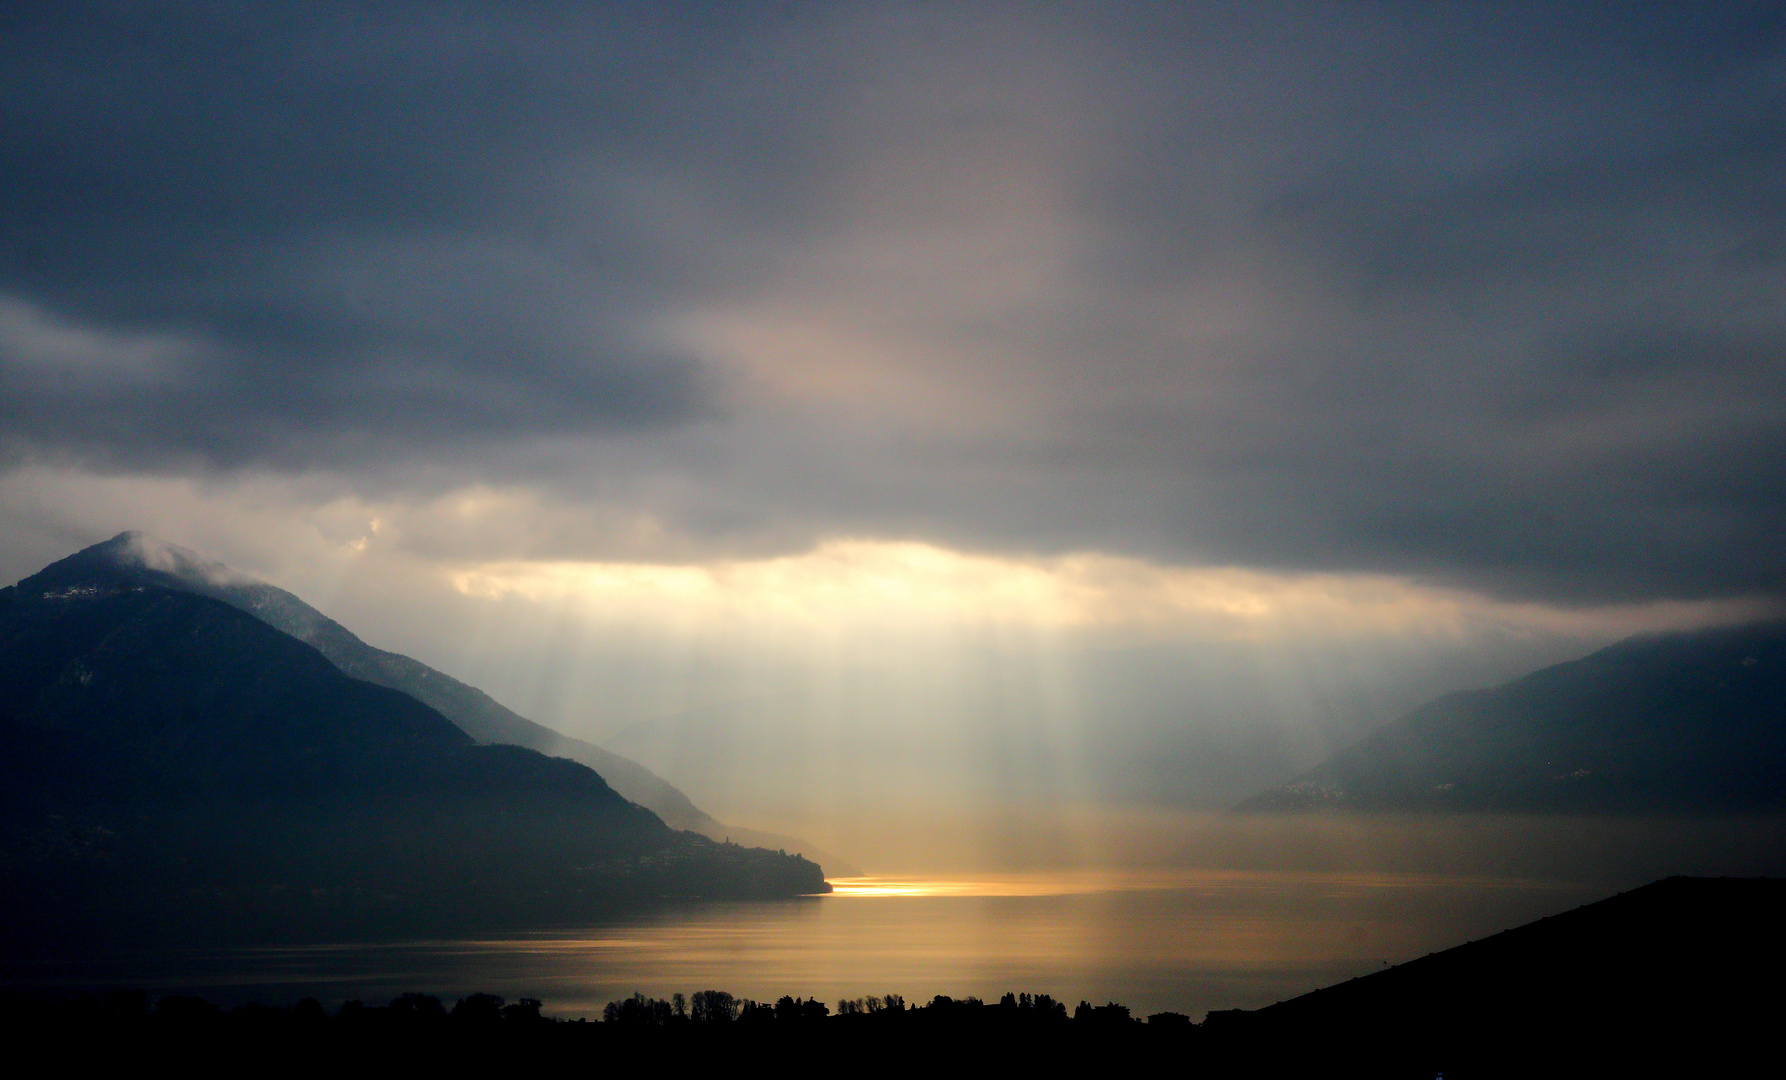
(713, 1007)
(475, 1010)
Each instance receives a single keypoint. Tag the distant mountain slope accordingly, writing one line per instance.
(1679, 721)
(136, 557)
(1668, 969)
(166, 756)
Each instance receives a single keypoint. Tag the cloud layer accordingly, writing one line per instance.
(1489, 299)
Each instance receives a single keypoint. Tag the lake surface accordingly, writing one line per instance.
(1186, 941)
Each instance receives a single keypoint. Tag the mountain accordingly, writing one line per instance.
(1661, 722)
(1670, 974)
(136, 558)
(173, 767)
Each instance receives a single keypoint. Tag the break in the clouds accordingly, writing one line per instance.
(1485, 297)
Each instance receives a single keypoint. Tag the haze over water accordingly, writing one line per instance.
(1155, 938)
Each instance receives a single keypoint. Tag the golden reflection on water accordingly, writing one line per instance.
(1076, 883)
(1169, 939)
(868, 886)
(1183, 937)
(884, 887)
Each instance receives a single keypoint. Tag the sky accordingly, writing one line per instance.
(1130, 401)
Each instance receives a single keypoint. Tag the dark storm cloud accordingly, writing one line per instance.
(1485, 296)
(348, 212)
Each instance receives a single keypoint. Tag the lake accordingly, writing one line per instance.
(1185, 941)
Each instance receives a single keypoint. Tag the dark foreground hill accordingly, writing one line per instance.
(1678, 970)
(170, 766)
(134, 558)
(1671, 979)
(1664, 722)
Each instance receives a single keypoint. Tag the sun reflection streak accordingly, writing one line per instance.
(1058, 883)
(847, 887)
(1132, 879)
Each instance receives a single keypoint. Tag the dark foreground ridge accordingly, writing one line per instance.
(1672, 975)
(1678, 969)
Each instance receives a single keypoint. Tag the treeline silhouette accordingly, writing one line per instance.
(883, 1034)
(703, 1029)
(713, 1007)
(707, 1010)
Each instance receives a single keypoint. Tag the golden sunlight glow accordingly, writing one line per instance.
(879, 887)
(1081, 881)
(1054, 884)
(868, 583)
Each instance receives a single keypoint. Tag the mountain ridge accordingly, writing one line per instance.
(176, 769)
(1681, 720)
(133, 553)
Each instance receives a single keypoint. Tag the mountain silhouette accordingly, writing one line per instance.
(1685, 721)
(173, 766)
(135, 557)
